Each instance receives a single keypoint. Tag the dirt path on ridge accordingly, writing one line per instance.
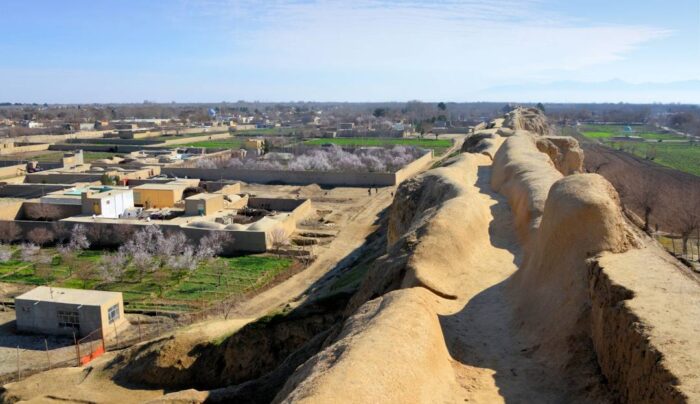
(492, 362)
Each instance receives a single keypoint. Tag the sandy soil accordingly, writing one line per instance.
(354, 216)
(354, 220)
(492, 363)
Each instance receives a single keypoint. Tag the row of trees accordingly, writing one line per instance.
(149, 252)
(333, 158)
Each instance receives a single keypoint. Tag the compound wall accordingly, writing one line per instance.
(331, 178)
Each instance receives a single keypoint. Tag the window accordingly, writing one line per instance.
(113, 313)
(68, 319)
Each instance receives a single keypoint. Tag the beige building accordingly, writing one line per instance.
(49, 310)
(204, 204)
(158, 195)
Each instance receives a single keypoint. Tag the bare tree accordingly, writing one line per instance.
(100, 235)
(219, 268)
(28, 251)
(43, 212)
(61, 232)
(9, 232)
(121, 233)
(44, 271)
(689, 216)
(112, 267)
(170, 244)
(40, 236)
(68, 256)
(213, 244)
(5, 253)
(161, 277)
(646, 200)
(79, 240)
(279, 239)
(143, 262)
(41, 260)
(184, 262)
(85, 272)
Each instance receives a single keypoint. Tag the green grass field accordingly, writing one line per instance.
(202, 286)
(89, 157)
(230, 143)
(602, 132)
(184, 136)
(438, 145)
(680, 156)
(263, 132)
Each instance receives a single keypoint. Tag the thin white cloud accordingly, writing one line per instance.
(458, 37)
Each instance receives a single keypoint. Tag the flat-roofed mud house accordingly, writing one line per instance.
(64, 311)
(159, 195)
(102, 201)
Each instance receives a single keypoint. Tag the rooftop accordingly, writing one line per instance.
(79, 190)
(204, 195)
(170, 185)
(70, 296)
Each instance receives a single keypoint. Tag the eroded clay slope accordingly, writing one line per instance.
(584, 317)
(508, 277)
(393, 348)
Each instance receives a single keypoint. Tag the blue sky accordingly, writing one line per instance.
(361, 50)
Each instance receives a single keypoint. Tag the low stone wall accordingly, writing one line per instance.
(93, 134)
(12, 170)
(61, 178)
(284, 205)
(23, 148)
(120, 141)
(107, 233)
(36, 210)
(30, 191)
(211, 136)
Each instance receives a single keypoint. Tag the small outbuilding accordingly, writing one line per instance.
(204, 204)
(159, 195)
(64, 311)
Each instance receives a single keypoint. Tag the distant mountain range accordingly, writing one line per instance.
(605, 91)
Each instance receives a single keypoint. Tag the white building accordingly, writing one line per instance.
(102, 201)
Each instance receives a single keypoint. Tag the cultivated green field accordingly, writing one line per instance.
(681, 156)
(602, 132)
(184, 136)
(263, 132)
(204, 285)
(667, 149)
(439, 145)
(89, 157)
(229, 143)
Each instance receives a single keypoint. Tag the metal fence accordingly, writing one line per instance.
(29, 361)
(673, 244)
(49, 354)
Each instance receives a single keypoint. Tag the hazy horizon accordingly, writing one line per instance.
(367, 51)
